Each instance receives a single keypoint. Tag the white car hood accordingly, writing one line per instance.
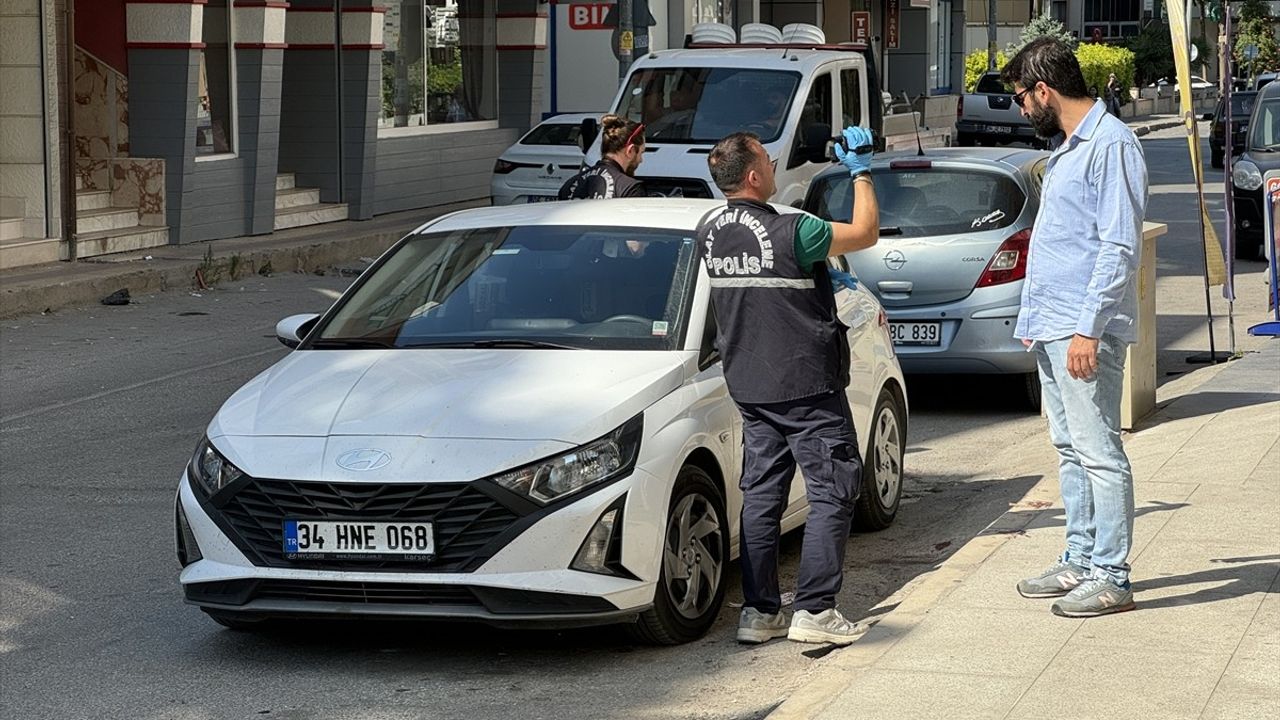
(569, 396)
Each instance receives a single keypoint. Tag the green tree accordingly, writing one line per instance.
(1255, 28)
(1040, 26)
(1153, 54)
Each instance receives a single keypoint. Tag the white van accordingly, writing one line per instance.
(795, 96)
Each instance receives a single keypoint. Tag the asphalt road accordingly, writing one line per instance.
(101, 407)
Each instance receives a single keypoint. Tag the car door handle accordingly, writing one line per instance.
(895, 286)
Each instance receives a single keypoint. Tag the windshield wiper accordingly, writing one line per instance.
(884, 231)
(349, 344)
(494, 343)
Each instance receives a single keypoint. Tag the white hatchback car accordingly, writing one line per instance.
(515, 416)
(534, 169)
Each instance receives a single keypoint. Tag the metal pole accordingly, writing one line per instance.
(626, 38)
(69, 159)
(991, 34)
(1228, 161)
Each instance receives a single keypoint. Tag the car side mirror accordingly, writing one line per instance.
(291, 330)
(588, 133)
(1207, 116)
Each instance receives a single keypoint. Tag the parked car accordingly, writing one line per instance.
(952, 255)
(989, 116)
(533, 169)
(795, 96)
(1264, 79)
(515, 416)
(1241, 109)
(1261, 155)
(1197, 83)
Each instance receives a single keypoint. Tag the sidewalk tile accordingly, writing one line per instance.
(1236, 700)
(1235, 566)
(1116, 681)
(879, 694)
(1174, 620)
(1267, 474)
(1228, 517)
(985, 641)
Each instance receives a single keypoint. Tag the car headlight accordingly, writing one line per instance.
(599, 461)
(1246, 175)
(210, 470)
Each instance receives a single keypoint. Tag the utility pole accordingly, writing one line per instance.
(991, 34)
(626, 38)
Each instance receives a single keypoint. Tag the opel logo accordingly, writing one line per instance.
(894, 260)
(363, 460)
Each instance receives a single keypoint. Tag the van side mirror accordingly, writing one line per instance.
(291, 330)
(588, 133)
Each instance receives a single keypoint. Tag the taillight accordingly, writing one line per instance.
(503, 167)
(1010, 261)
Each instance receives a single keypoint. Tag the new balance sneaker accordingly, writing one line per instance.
(1057, 581)
(1095, 596)
(828, 626)
(757, 627)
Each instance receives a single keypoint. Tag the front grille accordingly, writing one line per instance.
(676, 187)
(466, 521)
(498, 601)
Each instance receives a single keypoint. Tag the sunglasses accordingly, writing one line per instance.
(1020, 98)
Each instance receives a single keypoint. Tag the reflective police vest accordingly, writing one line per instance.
(603, 181)
(778, 333)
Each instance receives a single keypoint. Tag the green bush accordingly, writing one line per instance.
(1098, 61)
(975, 64)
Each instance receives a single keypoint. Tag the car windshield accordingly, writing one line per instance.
(1264, 131)
(522, 287)
(1242, 104)
(991, 84)
(553, 134)
(925, 202)
(702, 105)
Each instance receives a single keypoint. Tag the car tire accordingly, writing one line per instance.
(675, 617)
(1215, 158)
(882, 472)
(1031, 387)
(1249, 246)
(237, 621)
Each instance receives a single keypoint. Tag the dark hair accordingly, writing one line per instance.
(1050, 61)
(616, 132)
(730, 160)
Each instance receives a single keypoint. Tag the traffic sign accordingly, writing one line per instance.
(1250, 52)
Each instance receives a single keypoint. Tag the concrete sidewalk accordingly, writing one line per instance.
(1203, 643)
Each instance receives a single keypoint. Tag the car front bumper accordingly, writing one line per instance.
(525, 582)
(1248, 210)
(977, 335)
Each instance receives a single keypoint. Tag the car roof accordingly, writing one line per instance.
(1270, 90)
(666, 213)
(1002, 158)
(803, 60)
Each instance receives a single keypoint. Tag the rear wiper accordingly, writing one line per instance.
(886, 231)
(349, 344)
(495, 343)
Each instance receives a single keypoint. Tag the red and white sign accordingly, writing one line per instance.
(589, 17)
(861, 25)
(892, 18)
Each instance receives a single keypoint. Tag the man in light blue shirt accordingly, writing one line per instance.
(1079, 308)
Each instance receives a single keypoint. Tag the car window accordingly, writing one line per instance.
(990, 83)
(553, 134)
(1243, 104)
(929, 201)
(1264, 129)
(702, 105)
(587, 287)
(850, 96)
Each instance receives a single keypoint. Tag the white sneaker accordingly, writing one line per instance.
(757, 627)
(828, 626)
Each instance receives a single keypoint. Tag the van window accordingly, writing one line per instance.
(702, 105)
(851, 97)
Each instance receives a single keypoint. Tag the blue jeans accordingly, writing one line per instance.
(1093, 469)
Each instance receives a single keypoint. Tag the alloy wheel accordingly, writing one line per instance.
(887, 456)
(693, 556)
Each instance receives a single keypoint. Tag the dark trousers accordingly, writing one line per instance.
(817, 434)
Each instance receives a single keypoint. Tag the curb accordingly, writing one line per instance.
(62, 285)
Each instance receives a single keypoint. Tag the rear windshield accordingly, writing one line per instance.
(553, 134)
(1242, 104)
(929, 201)
(992, 84)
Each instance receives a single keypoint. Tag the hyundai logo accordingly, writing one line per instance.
(894, 260)
(363, 460)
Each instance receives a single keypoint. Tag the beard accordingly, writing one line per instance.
(1044, 120)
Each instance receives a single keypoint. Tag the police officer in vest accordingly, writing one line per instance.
(786, 362)
(622, 147)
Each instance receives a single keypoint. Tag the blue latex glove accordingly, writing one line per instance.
(855, 137)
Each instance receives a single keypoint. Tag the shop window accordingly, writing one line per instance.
(215, 101)
(439, 63)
